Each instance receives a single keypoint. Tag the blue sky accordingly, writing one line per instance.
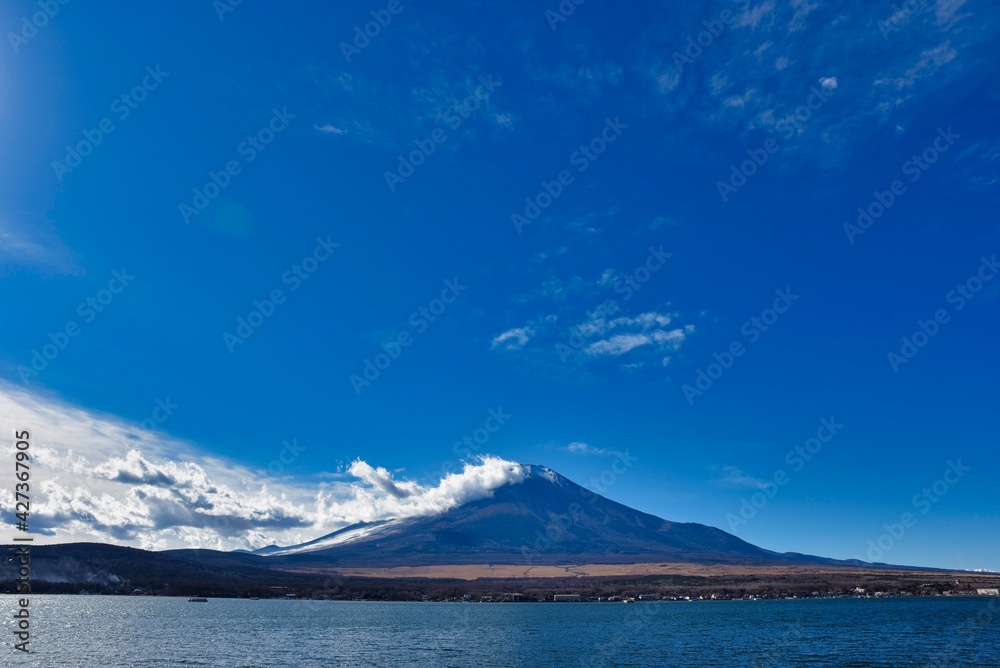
(686, 234)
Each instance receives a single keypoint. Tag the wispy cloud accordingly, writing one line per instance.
(733, 476)
(330, 129)
(514, 338)
(619, 344)
(36, 246)
(753, 16)
(607, 332)
(927, 64)
(945, 11)
(586, 78)
(580, 448)
(555, 289)
(617, 336)
(766, 61)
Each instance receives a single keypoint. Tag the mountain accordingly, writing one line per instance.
(580, 541)
(68, 567)
(545, 519)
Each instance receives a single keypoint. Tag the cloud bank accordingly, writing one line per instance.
(98, 478)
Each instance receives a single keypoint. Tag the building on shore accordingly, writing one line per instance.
(564, 598)
(988, 592)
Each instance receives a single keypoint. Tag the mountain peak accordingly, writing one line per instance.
(534, 518)
(539, 471)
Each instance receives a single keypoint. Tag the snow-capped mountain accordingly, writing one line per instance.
(542, 519)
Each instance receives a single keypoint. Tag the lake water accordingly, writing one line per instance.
(106, 631)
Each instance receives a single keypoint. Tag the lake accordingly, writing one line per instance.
(107, 631)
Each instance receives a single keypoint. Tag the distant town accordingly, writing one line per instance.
(278, 593)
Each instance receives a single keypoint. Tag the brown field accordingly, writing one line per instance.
(516, 572)
(667, 579)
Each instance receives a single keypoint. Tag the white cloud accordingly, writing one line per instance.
(504, 119)
(600, 335)
(734, 477)
(645, 329)
(608, 277)
(380, 478)
(598, 324)
(514, 338)
(618, 344)
(740, 101)
(382, 496)
(330, 129)
(579, 448)
(517, 338)
(828, 83)
(666, 76)
(98, 478)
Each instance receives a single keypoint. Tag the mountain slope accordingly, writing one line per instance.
(545, 519)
